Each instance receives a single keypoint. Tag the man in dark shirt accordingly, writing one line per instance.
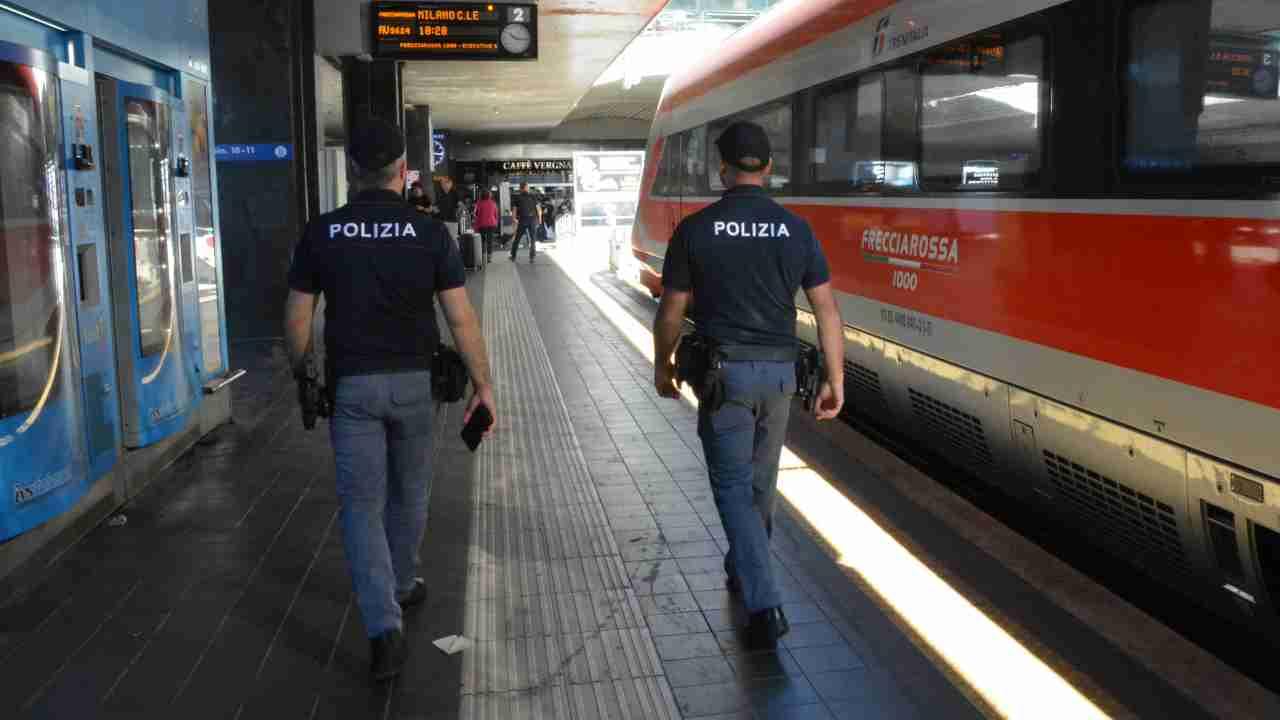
(528, 216)
(447, 206)
(738, 264)
(380, 265)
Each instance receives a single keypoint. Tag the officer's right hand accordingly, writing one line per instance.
(830, 401)
(664, 379)
(482, 396)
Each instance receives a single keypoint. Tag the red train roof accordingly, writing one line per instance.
(786, 28)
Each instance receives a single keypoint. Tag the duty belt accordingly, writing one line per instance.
(758, 353)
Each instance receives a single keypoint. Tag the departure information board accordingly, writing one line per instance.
(1241, 71)
(454, 31)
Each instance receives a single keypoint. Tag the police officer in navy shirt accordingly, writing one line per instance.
(380, 265)
(737, 266)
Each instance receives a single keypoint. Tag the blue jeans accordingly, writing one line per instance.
(382, 431)
(743, 442)
(523, 229)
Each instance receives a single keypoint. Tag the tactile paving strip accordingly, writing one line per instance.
(558, 627)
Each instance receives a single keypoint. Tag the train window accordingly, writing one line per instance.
(695, 161)
(980, 126)
(148, 184)
(668, 181)
(1202, 101)
(775, 118)
(848, 130)
(897, 168)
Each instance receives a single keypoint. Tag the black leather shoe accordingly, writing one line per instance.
(388, 651)
(416, 596)
(764, 628)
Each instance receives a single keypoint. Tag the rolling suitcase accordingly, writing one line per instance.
(472, 257)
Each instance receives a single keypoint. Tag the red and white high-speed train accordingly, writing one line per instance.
(1054, 232)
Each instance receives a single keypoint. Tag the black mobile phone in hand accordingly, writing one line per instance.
(473, 431)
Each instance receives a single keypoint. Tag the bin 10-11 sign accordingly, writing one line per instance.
(454, 31)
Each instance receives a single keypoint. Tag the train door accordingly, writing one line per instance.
(138, 160)
(42, 445)
(84, 198)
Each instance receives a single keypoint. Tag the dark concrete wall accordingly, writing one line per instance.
(257, 51)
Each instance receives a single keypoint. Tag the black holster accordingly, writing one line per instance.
(449, 375)
(313, 397)
(698, 364)
(811, 370)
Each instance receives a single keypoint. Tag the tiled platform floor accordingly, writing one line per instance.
(580, 549)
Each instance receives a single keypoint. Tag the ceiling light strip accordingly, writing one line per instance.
(33, 18)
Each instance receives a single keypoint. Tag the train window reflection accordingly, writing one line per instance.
(848, 132)
(1203, 89)
(980, 114)
(148, 184)
(30, 300)
(668, 181)
(695, 159)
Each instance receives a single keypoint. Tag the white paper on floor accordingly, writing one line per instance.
(452, 644)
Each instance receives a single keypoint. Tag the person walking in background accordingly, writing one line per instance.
(528, 216)
(486, 221)
(418, 198)
(447, 206)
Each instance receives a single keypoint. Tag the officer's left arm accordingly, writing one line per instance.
(299, 312)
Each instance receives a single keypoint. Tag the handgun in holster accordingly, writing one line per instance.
(449, 376)
(313, 396)
(698, 364)
(811, 371)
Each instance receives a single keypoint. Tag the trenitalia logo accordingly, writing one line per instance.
(933, 253)
(881, 36)
(884, 40)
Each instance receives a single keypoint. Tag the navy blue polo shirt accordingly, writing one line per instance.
(744, 258)
(379, 264)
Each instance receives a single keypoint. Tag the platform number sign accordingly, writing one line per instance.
(455, 31)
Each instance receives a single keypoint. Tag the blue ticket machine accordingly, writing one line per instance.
(139, 163)
(90, 289)
(43, 454)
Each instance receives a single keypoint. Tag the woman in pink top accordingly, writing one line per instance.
(486, 221)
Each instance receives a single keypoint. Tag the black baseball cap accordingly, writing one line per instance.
(375, 144)
(742, 142)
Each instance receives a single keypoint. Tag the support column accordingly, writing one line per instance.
(262, 56)
(417, 141)
(372, 89)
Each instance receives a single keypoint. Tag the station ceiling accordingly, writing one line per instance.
(577, 40)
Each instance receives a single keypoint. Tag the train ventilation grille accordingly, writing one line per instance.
(1131, 523)
(958, 429)
(865, 394)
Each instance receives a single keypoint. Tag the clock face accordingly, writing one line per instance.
(515, 38)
